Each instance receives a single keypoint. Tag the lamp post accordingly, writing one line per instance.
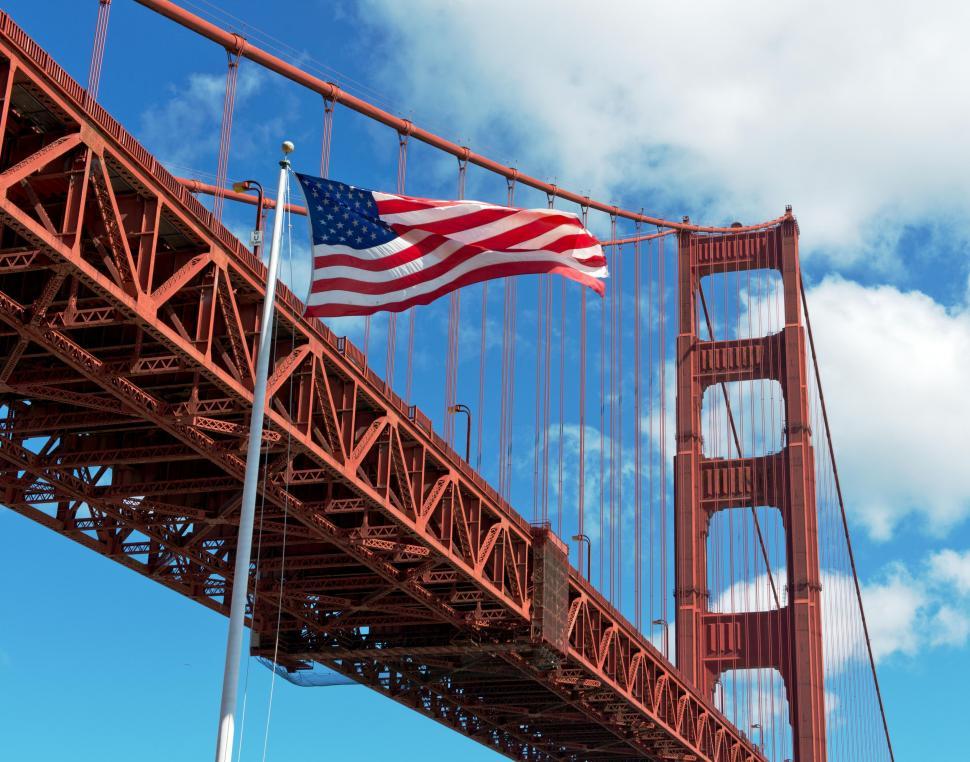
(468, 428)
(663, 623)
(761, 735)
(581, 538)
(246, 185)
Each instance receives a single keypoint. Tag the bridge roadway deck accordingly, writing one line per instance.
(128, 319)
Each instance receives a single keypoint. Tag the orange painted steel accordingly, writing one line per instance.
(128, 320)
(786, 637)
(207, 189)
(197, 186)
(236, 44)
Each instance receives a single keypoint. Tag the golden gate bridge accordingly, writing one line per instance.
(130, 317)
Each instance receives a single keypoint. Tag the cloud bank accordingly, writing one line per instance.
(737, 108)
(895, 366)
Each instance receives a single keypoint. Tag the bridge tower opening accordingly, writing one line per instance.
(787, 637)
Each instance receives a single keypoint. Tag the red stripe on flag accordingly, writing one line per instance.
(511, 239)
(428, 244)
(475, 276)
(464, 222)
(430, 272)
(403, 205)
(457, 223)
(397, 259)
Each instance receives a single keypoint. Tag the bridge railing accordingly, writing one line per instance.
(652, 695)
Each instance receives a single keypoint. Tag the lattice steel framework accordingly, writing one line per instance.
(130, 318)
(787, 638)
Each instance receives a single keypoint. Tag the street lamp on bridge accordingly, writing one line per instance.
(257, 236)
(468, 428)
(581, 538)
(761, 734)
(663, 623)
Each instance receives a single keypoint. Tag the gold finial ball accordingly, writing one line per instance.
(288, 147)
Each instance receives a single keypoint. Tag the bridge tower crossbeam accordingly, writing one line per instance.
(786, 637)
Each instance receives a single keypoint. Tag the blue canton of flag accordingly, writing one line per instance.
(342, 215)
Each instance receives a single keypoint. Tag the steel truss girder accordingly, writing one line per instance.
(176, 299)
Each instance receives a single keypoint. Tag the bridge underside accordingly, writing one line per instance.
(128, 322)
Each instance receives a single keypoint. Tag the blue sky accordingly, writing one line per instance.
(96, 662)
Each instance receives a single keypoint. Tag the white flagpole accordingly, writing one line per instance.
(240, 577)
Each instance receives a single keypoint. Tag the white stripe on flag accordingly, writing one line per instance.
(477, 262)
(442, 252)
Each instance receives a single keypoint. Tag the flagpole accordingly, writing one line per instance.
(240, 577)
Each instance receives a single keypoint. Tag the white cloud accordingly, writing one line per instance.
(895, 607)
(831, 705)
(184, 129)
(910, 611)
(906, 612)
(755, 697)
(894, 366)
(847, 112)
(843, 638)
(949, 567)
(739, 109)
(950, 626)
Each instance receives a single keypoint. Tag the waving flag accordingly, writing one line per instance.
(379, 252)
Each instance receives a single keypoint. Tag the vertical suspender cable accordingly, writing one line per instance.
(503, 391)
(562, 391)
(845, 523)
(402, 164)
(602, 479)
(581, 468)
(454, 314)
(547, 387)
(510, 425)
(614, 293)
(662, 380)
(637, 484)
(481, 378)
(225, 132)
(618, 392)
(327, 137)
(545, 353)
(508, 376)
(543, 339)
(410, 367)
(536, 487)
(97, 50)
(409, 370)
(650, 491)
(366, 347)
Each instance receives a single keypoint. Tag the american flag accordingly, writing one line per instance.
(380, 252)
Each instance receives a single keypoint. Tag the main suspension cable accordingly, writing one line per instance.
(845, 523)
(295, 74)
